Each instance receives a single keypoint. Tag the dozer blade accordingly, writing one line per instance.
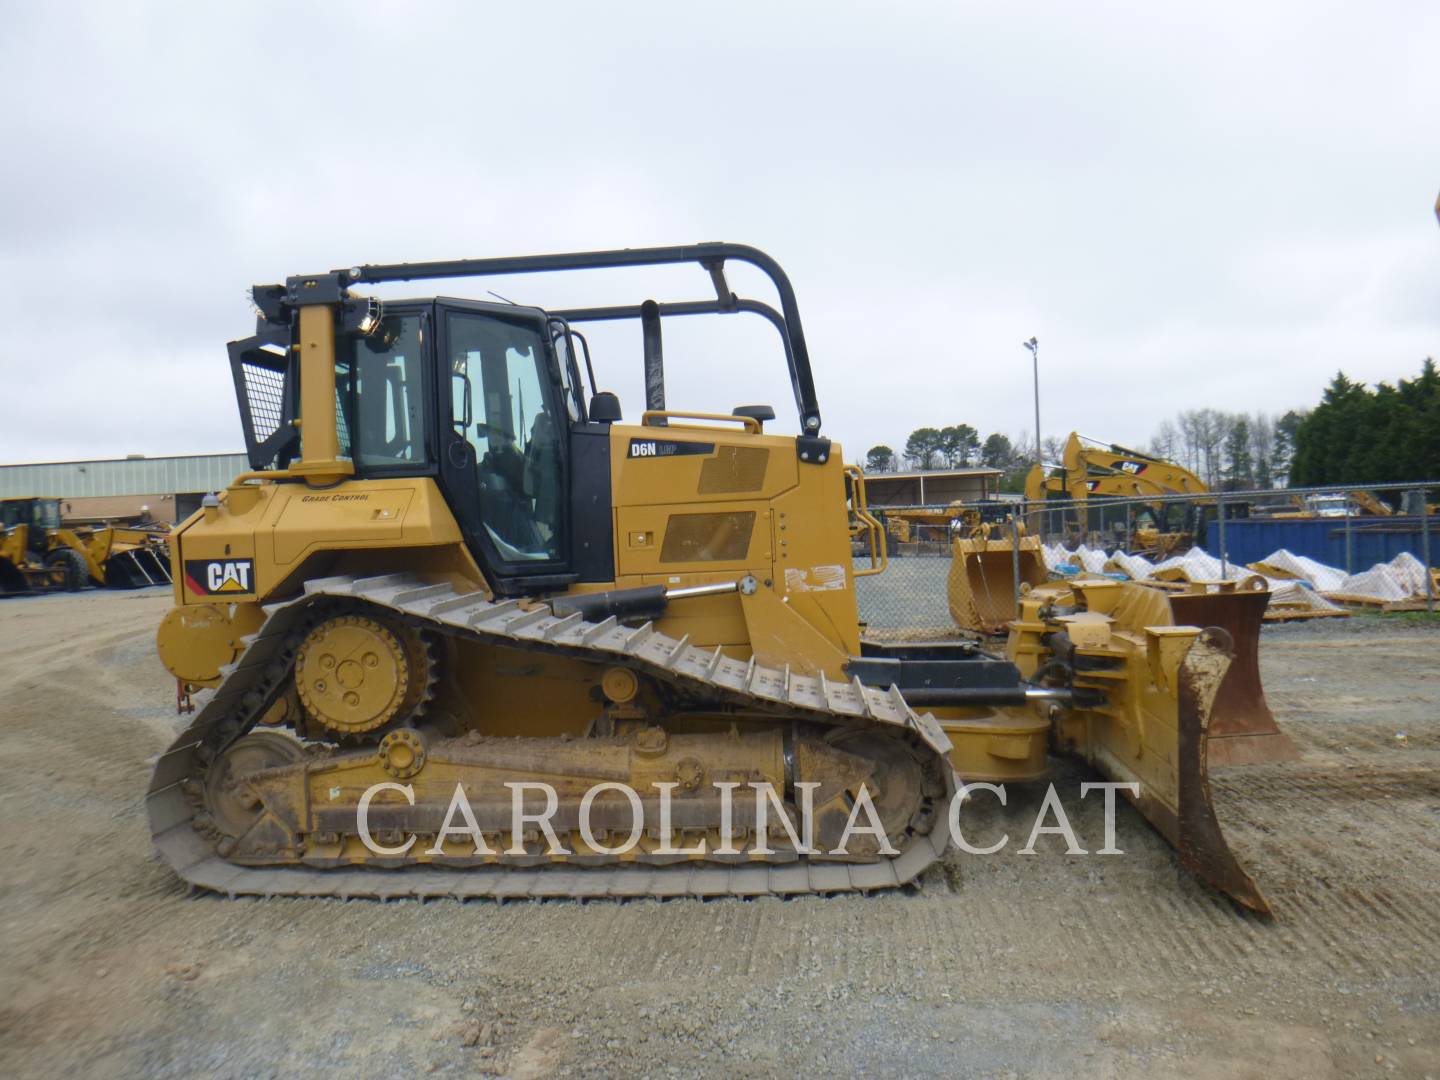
(1163, 748)
(1242, 727)
(1199, 840)
(981, 583)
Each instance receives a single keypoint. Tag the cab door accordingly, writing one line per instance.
(504, 460)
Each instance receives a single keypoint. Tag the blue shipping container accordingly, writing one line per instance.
(1372, 539)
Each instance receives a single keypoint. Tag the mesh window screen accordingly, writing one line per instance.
(264, 391)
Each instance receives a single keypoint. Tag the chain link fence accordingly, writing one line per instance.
(908, 600)
(1350, 528)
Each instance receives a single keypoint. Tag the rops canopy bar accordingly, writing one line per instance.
(711, 256)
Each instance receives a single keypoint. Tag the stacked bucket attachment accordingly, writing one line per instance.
(137, 567)
(981, 586)
(1243, 729)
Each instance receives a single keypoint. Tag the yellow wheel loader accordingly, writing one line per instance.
(463, 631)
(30, 559)
(60, 556)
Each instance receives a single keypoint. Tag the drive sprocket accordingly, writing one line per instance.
(356, 675)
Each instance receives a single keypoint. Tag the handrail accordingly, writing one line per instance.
(665, 415)
(868, 522)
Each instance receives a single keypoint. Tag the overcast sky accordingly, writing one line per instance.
(1218, 207)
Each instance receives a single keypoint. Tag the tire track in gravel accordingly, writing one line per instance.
(1119, 965)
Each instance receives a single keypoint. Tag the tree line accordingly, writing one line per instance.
(1231, 451)
(956, 447)
(1355, 435)
(1361, 436)
(1226, 450)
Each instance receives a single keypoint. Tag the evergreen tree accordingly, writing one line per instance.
(1362, 436)
(997, 453)
(1284, 448)
(1324, 439)
(880, 459)
(1239, 465)
(922, 447)
(959, 444)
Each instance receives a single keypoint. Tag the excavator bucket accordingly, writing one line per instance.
(981, 585)
(1243, 729)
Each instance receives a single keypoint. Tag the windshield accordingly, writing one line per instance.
(37, 513)
(379, 399)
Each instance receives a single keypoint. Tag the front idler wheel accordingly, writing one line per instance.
(231, 803)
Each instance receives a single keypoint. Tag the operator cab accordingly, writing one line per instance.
(488, 399)
(486, 396)
(39, 514)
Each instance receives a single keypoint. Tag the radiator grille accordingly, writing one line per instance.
(734, 469)
(707, 537)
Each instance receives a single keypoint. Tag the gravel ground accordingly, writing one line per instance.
(999, 966)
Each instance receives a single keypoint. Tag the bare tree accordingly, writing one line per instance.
(1203, 441)
(1189, 424)
(1209, 429)
(1024, 444)
(1165, 443)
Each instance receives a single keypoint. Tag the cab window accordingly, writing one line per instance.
(380, 398)
(501, 405)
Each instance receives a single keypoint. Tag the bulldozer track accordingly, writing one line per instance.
(252, 683)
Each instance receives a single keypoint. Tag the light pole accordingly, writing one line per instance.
(1034, 346)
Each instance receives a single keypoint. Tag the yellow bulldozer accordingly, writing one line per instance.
(465, 631)
(40, 552)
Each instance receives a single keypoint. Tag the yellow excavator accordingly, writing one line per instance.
(1099, 471)
(40, 552)
(454, 577)
(984, 565)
